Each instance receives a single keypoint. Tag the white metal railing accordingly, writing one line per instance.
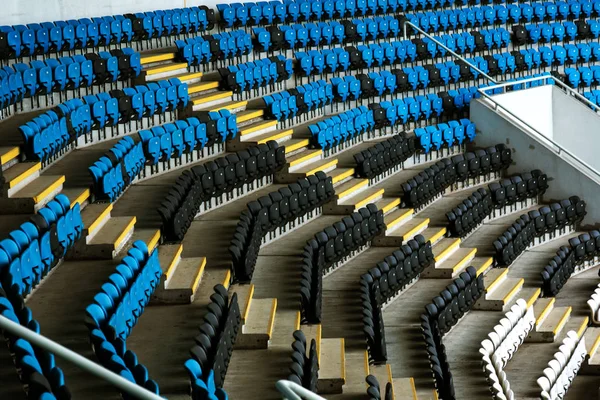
(293, 391)
(486, 92)
(38, 340)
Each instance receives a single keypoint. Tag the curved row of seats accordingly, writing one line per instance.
(469, 214)
(563, 368)
(211, 354)
(384, 156)
(581, 250)
(536, 223)
(274, 211)
(42, 379)
(31, 251)
(298, 102)
(65, 36)
(330, 246)
(440, 316)
(304, 369)
(501, 345)
(383, 282)
(594, 305)
(518, 187)
(205, 49)
(556, 32)
(338, 129)
(117, 169)
(446, 134)
(223, 175)
(256, 74)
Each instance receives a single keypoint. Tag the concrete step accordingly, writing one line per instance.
(445, 248)
(189, 77)
(307, 169)
(434, 234)
(33, 195)
(592, 342)
(387, 204)
(245, 293)
(9, 156)
(249, 115)
(155, 57)
(340, 175)
(350, 188)
(169, 256)
(150, 236)
(313, 332)
(258, 327)
(530, 295)
(184, 281)
(451, 266)
(233, 106)
(404, 389)
(403, 233)
(367, 196)
(542, 308)
(108, 241)
(166, 70)
(18, 176)
(548, 328)
(501, 295)
(383, 372)
(294, 145)
(257, 128)
(94, 217)
(77, 195)
(206, 87)
(482, 264)
(304, 158)
(397, 218)
(211, 100)
(332, 366)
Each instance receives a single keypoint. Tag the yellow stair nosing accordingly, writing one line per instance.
(497, 281)
(361, 183)
(403, 216)
(438, 235)
(272, 318)
(40, 196)
(227, 279)
(102, 215)
(213, 97)
(390, 205)
(343, 344)
(485, 265)
(309, 154)
(369, 199)
(166, 68)
(583, 326)
(81, 198)
(123, 234)
(389, 372)
(342, 176)
(318, 341)
(276, 136)
(514, 290)
(153, 242)
(563, 320)
(199, 274)
(413, 388)
(248, 302)
(534, 297)
(157, 58)
(322, 167)
(174, 262)
(231, 106)
(24, 175)
(367, 370)
(199, 87)
(297, 145)
(9, 155)
(545, 311)
(298, 318)
(251, 129)
(250, 115)
(464, 260)
(417, 228)
(594, 346)
(191, 75)
(448, 249)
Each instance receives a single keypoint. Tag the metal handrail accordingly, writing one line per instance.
(292, 391)
(445, 48)
(38, 340)
(560, 148)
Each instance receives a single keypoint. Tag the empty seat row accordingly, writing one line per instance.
(270, 212)
(384, 155)
(31, 251)
(37, 369)
(383, 282)
(528, 185)
(534, 224)
(446, 134)
(213, 347)
(594, 305)
(201, 50)
(438, 359)
(304, 368)
(581, 250)
(299, 101)
(338, 129)
(469, 214)
(211, 180)
(335, 243)
(256, 74)
(584, 77)
(124, 296)
(58, 36)
(117, 169)
(563, 368)
(376, 392)
(501, 345)
(556, 32)
(114, 356)
(171, 140)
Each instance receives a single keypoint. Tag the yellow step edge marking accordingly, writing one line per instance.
(125, 231)
(361, 183)
(583, 326)
(318, 341)
(227, 279)
(413, 388)
(545, 311)
(272, 318)
(237, 104)
(407, 213)
(438, 235)
(514, 290)
(9, 155)
(534, 297)
(329, 164)
(213, 97)
(485, 266)
(416, 229)
(453, 246)
(24, 175)
(490, 288)
(102, 215)
(389, 372)
(563, 321)
(369, 199)
(174, 262)
(340, 177)
(166, 68)
(46, 192)
(464, 260)
(367, 371)
(594, 346)
(202, 86)
(343, 344)
(189, 77)
(250, 115)
(297, 323)
(435, 395)
(298, 145)
(248, 302)
(85, 194)
(276, 136)
(157, 58)
(154, 241)
(199, 274)
(305, 157)
(258, 127)
(388, 207)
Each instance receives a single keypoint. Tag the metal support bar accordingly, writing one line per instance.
(293, 391)
(445, 48)
(95, 369)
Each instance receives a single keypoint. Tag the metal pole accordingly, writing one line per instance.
(293, 391)
(80, 361)
(445, 48)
